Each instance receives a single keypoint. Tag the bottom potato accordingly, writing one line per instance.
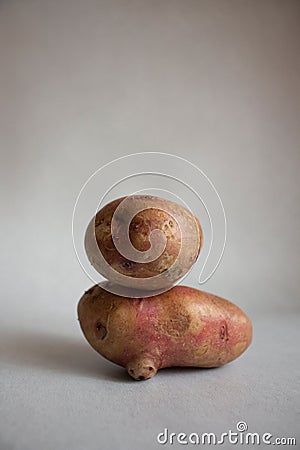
(180, 327)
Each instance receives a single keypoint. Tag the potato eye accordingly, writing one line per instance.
(224, 332)
(101, 330)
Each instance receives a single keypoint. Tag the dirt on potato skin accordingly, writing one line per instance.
(181, 327)
(186, 247)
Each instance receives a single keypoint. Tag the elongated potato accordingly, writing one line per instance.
(180, 327)
(143, 242)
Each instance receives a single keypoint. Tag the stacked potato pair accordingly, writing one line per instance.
(143, 245)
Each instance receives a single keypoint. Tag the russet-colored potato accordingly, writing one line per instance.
(181, 230)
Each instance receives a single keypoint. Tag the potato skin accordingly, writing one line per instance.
(160, 273)
(180, 327)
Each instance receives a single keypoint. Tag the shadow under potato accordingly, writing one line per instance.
(59, 354)
(62, 354)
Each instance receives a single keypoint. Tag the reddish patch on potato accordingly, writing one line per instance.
(180, 327)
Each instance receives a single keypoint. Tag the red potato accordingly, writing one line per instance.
(161, 241)
(180, 327)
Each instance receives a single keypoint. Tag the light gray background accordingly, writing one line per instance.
(83, 82)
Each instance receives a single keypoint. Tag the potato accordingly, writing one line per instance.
(180, 327)
(158, 242)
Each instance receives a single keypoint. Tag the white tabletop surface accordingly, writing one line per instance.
(58, 393)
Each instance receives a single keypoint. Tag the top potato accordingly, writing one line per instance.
(143, 242)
